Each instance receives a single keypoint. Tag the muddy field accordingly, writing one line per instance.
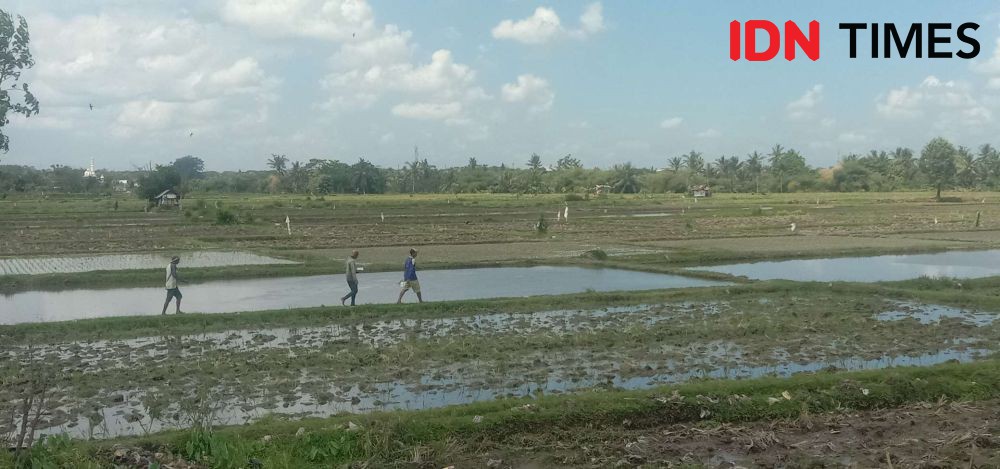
(136, 385)
(927, 435)
(58, 226)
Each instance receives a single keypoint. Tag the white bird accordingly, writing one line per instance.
(288, 224)
(566, 213)
(793, 227)
(558, 215)
(935, 221)
(383, 217)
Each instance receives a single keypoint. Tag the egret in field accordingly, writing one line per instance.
(288, 224)
(935, 221)
(383, 217)
(566, 213)
(792, 227)
(558, 215)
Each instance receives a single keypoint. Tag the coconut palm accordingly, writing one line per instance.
(277, 163)
(626, 179)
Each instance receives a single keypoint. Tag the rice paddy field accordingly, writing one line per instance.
(765, 364)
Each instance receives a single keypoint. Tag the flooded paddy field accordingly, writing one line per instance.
(953, 264)
(147, 383)
(298, 292)
(77, 264)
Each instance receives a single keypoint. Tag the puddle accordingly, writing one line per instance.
(75, 264)
(958, 264)
(933, 314)
(298, 292)
(131, 417)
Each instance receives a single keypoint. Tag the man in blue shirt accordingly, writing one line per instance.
(410, 277)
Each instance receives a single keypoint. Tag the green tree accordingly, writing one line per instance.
(626, 179)
(160, 179)
(568, 162)
(904, 166)
(15, 57)
(675, 164)
(189, 167)
(535, 171)
(366, 177)
(278, 163)
(965, 167)
(694, 162)
(937, 161)
(754, 167)
(297, 179)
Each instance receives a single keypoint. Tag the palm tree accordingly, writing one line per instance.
(694, 162)
(775, 157)
(903, 164)
(966, 167)
(988, 163)
(754, 167)
(732, 167)
(675, 164)
(298, 177)
(277, 163)
(626, 179)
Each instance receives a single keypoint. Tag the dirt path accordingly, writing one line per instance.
(931, 435)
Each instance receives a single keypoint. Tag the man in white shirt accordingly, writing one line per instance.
(172, 290)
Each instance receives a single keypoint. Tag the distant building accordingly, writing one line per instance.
(91, 172)
(121, 185)
(168, 198)
(701, 190)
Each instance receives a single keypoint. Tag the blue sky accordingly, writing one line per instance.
(496, 80)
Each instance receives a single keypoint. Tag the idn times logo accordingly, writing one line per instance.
(881, 40)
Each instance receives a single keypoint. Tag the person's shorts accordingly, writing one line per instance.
(410, 285)
(174, 293)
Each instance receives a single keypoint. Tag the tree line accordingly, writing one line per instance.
(939, 165)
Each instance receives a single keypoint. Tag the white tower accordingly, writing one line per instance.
(90, 172)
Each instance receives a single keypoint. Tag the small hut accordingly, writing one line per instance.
(168, 198)
(701, 190)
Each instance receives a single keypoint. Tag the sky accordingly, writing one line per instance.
(233, 81)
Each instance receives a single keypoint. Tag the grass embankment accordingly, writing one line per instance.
(459, 434)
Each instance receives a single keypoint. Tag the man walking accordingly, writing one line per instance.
(410, 277)
(172, 290)
(352, 278)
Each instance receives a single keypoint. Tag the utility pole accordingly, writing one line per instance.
(416, 164)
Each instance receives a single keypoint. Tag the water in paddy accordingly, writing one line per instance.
(75, 264)
(959, 264)
(298, 292)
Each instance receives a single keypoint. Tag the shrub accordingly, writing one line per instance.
(597, 254)
(225, 217)
(574, 198)
(542, 226)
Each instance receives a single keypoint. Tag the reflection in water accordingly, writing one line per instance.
(959, 264)
(298, 292)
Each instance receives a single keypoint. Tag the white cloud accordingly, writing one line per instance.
(322, 19)
(942, 100)
(140, 73)
(806, 105)
(428, 111)
(852, 137)
(709, 133)
(544, 26)
(671, 123)
(592, 19)
(529, 89)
